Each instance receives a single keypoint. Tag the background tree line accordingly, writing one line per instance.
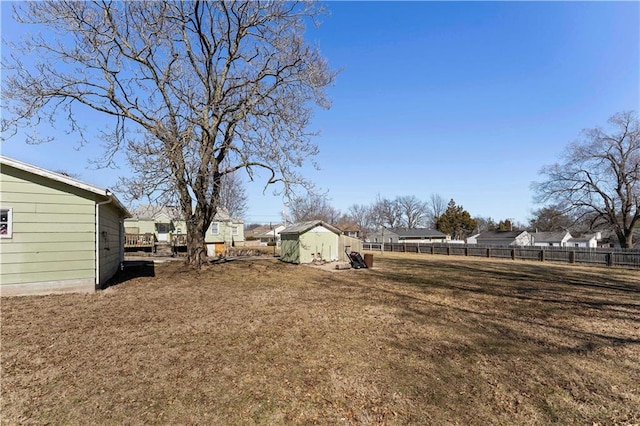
(594, 186)
(407, 212)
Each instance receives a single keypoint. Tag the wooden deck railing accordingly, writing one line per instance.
(178, 240)
(139, 240)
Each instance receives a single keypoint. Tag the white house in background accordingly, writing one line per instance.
(57, 234)
(266, 234)
(588, 241)
(406, 235)
(472, 239)
(504, 238)
(550, 239)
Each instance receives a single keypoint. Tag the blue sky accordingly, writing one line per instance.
(467, 100)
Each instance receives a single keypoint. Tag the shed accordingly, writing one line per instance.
(305, 242)
(57, 234)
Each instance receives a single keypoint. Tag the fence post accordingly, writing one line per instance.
(513, 254)
(541, 255)
(448, 251)
(466, 251)
(488, 251)
(609, 259)
(572, 256)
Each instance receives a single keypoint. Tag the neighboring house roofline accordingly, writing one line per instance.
(153, 212)
(547, 237)
(417, 232)
(67, 180)
(581, 239)
(505, 235)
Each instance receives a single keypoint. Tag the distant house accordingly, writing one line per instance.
(158, 226)
(472, 239)
(420, 235)
(265, 234)
(504, 238)
(405, 235)
(224, 232)
(350, 229)
(383, 236)
(161, 221)
(305, 242)
(57, 234)
(587, 241)
(550, 239)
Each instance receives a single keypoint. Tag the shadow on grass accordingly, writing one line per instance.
(132, 269)
(515, 308)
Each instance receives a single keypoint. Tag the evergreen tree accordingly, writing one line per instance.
(456, 221)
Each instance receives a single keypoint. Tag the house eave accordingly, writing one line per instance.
(29, 168)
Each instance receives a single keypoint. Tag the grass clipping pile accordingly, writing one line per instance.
(417, 340)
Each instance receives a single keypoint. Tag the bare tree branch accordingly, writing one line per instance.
(198, 90)
(599, 177)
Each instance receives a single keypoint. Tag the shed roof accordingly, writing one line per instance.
(302, 227)
(67, 180)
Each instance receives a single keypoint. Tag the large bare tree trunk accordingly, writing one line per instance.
(196, 246)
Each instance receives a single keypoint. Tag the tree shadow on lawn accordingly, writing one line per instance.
(132, 269)
(523, 281)
(498, 314)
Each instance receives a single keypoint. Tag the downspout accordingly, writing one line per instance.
(97, 250)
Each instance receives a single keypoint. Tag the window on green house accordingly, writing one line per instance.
(6, 222)
(214, 228)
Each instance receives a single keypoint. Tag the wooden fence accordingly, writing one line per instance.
(628, 258)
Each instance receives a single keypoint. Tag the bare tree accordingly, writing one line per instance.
(233, 195)
(313, 207)
(484, 224)
(360, 214)
(189, 84)
(436, 206)
(386, 213)
(599, 176)
(551, 219)
(414, 212)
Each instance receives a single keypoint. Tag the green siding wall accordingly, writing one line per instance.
(53, 235)
(323, 243)
(225, 232)
(301, 248)
(140, 226)
(290, 248)
(111, 241)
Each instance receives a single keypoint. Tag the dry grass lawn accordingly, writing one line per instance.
(419, 339)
